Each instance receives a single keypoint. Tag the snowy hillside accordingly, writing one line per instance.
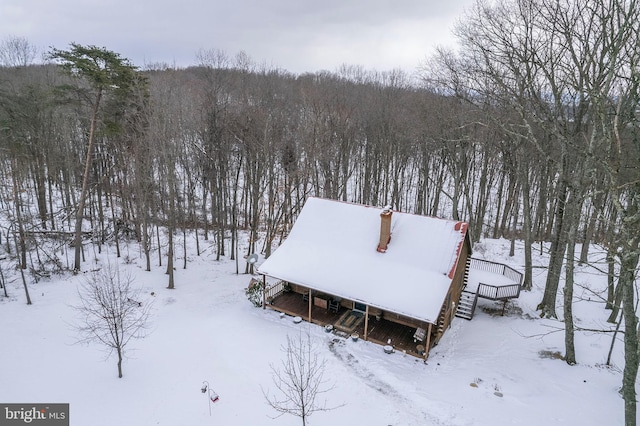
(489, 371)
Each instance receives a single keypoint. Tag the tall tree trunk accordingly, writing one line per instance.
(3, 283)
(558, 246)
(116, 226)
(21, 245)
(628, 265)
(99, 195)
(570, 351)
(85, 180)
(24, 284)
(60, 197)
(171, 226)
(39, 183)
(528, 240)
(508, 206)
(496, 226)
(483, 198)
(119, 362)
(588, 235)
(146, 242)
(617, 301)
(514, 227)
(169, 272)
(611, 271)
(184, 246)
(159, 244)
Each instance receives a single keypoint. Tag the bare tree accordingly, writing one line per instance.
(111, 311)
(17, 52)
(569, 69)
(299, 380)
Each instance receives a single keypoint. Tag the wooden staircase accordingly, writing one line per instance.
(467, 304)
(468, 299)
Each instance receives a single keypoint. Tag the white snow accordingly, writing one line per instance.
(205, 329)
(332, 249)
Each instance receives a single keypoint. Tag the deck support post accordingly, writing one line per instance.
(428, 345)
(366, 322)
(310, 305)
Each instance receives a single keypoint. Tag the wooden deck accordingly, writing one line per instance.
(401, 336)
(379, 331)
(291, 303)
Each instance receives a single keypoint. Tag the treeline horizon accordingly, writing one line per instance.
(229, 144)
(373, 138)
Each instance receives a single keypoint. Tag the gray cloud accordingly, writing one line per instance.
(296, 35)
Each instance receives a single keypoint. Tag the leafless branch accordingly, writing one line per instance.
(299, 380)
(110, 311)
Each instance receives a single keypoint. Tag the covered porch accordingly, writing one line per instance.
(347, 318)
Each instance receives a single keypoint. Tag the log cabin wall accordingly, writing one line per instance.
(447, 312)
(458, 283)
(298, 288)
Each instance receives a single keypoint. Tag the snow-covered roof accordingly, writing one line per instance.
(332, 249)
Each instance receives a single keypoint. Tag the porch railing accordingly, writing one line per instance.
(488, 291)
(494, 292)
(271, 292)
(496, 268)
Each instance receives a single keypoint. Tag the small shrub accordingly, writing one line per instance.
(254, 292)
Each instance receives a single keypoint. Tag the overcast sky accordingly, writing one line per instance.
(295, 35)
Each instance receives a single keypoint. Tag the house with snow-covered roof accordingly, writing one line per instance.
(390, 277)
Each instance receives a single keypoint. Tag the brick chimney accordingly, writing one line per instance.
(385, 229)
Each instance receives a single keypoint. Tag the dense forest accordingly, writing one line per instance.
(529, 131)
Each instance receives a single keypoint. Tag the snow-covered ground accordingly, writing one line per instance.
(206, 329)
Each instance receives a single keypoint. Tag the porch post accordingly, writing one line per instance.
(264, 292)
(428, 346)
(366, 322)
(310, 305)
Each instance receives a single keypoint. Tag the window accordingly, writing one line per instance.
(360, 307)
